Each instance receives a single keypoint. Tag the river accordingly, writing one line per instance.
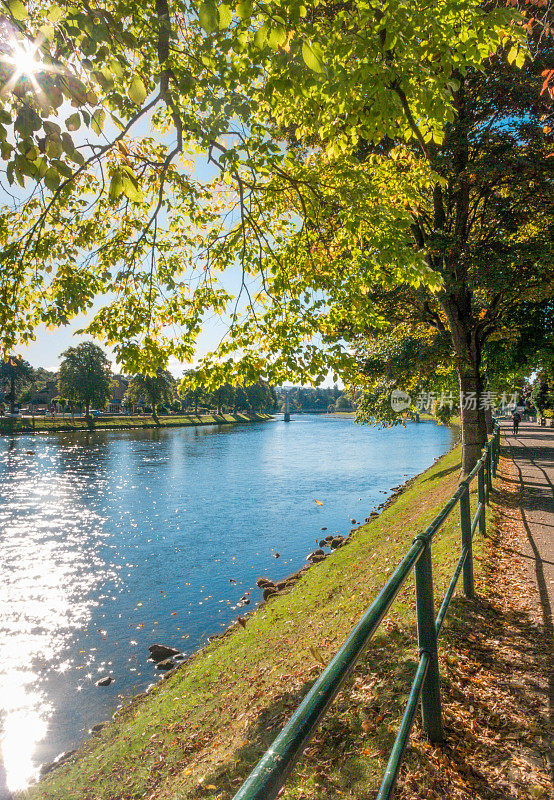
(114, 540)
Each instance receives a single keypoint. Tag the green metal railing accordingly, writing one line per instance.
(267, 778)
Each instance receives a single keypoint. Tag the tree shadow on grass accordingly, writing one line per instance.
(359, 718)
(490, 717)
(443, 473)
(492, 706)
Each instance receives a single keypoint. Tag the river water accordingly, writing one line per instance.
(113, 540)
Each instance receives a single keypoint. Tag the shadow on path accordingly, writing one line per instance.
(533, 454)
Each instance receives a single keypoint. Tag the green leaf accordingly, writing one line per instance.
(116, 186)
(207, 14)
(76, 90)
(277, 36)
(260, 36)
(17, 9)
(55, 13)
(52, 179)
(48, 32)
(512, 55)
(225, 16)
(53, 147)
(137, 91)
(117, 121)
(244, 9)
(97, 121)
(313, 56)
(104, 78)
(186, 83)
(131, 188)
(73, 123)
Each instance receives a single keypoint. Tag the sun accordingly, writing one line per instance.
(24, 57)
(24, 60)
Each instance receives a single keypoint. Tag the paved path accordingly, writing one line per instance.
(533, 453)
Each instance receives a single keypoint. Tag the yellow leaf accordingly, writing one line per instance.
(317, 655)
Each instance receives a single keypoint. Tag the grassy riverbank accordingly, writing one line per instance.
(198, 733)
(42, 424)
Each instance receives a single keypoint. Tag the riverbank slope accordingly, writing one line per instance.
(41, 424)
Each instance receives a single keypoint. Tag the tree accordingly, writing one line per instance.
(223, 395)
(240, 399)
(486, 231)
(85, 376)
(541, 395)
(152, 389)
(344, 403)
(15, 375)
(325, 125)
(260, 396)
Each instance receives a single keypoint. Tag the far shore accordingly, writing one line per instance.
(47, 424)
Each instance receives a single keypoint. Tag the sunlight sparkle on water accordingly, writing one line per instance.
(43, 598)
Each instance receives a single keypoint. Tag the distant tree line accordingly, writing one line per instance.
(85, 382)
(303, 399)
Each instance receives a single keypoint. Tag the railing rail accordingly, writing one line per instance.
(267, 778)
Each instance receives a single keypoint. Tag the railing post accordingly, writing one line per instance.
(427, 639)
(481, 499)
(488, 482)
(465, 526)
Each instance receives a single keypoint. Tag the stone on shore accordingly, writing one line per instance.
(167, 663)
(159, 652)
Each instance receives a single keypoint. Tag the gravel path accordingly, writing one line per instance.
(533, 453)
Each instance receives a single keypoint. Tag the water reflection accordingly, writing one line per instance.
(114, 540)
(49, 570)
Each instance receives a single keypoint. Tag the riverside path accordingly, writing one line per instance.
(533, 453)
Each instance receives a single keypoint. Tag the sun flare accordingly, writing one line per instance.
(24, 59)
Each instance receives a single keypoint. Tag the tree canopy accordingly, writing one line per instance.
(151, 389)
(15, 375)
(341, 143)
(85, 376)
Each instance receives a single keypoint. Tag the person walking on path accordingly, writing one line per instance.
(516, 419)
(533, 456)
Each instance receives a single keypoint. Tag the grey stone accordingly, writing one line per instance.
(159, 652)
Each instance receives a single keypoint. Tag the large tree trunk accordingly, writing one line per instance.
(12, 394)
(487, 411)
(473, 435)
(482, 413)
(467, 356)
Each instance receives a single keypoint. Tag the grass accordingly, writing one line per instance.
(200, 732)
(47, 424)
